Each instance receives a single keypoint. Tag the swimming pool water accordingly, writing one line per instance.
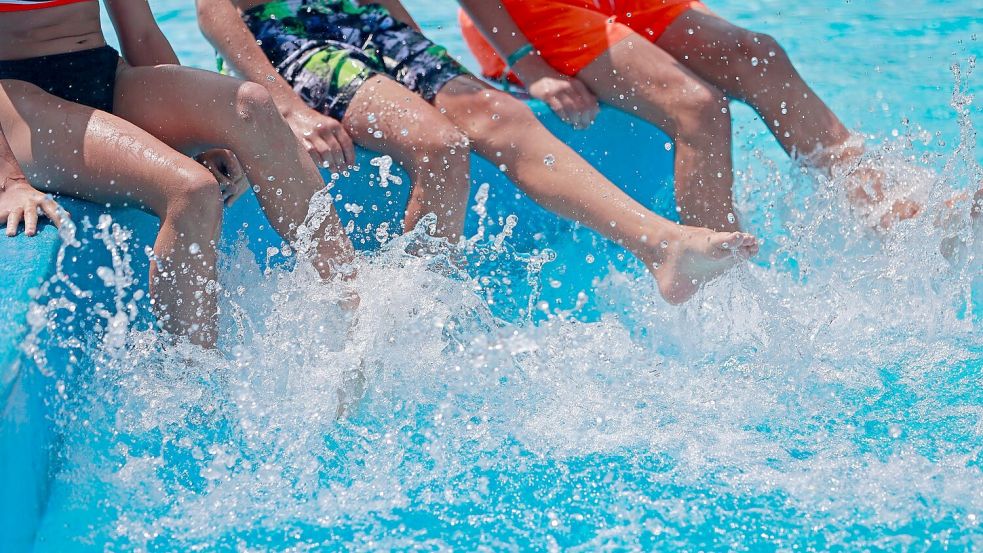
(827, 396)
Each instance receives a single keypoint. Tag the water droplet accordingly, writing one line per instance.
(371, 118)
(754, 61)
(589, 258)
(664, 244)
(271, 178)
(549, 160)
(194, 248)
(404, 132)
(377, 134)
(730, 218)
(894, 430)
(668, 146)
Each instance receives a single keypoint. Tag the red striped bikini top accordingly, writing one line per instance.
(22, 5)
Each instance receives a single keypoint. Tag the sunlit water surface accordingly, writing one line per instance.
(829, 394)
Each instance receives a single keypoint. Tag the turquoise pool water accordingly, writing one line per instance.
(828, 396)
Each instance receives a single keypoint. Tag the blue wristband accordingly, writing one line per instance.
(518, 55)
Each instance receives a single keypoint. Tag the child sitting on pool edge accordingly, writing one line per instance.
(675, 64)
(77, 119)
(336, 69)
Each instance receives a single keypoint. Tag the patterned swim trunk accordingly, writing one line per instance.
(326, 50)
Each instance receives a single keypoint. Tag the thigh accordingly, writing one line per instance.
(386, 117)
(189, 109)
(642, 78)
(67, 148)
(711, 47)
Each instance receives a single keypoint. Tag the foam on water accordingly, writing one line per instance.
(829, 394)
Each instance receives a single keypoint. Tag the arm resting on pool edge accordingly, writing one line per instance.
(324, 137)
(567, 96)
(141, 40)
(19, 201)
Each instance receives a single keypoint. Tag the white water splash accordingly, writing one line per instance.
(829, 396)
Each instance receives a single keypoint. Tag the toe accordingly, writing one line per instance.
(750, 245)
(727, 244)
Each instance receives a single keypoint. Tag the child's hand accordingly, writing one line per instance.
(324, 137)
(19, 201)
(567, 97)
(227, 171)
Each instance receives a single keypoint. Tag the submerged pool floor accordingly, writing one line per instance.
(828, 395)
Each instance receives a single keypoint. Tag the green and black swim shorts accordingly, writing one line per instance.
(326, 50)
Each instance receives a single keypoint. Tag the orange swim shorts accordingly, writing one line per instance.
(570, 34)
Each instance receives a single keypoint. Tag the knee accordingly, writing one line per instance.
(194, 201)
(760, 52)
(441, 140)
(703, 112)
(495, 116)
(253, 102)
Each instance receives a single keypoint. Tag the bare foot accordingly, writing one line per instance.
(864, 185)
(694, 256)
(866, 193)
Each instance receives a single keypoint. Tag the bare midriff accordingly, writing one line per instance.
(44, 32)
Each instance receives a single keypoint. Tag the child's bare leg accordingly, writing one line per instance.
(639, 78)
(753, 67)
(505, 131)
(193, 110)
(423, 141)
(96, 156)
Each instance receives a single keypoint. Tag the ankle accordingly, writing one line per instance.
(831, 158)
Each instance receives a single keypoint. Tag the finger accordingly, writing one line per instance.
(240, 190)
(224, 183)
(585, 109)
(559, 109)
(13, 220)
(570, 107)
(589, 100)
(578, 108)
(50, 208)
(337, 154)
(323, 151)
(313, 151)
(347, 146)
(235, 171)
(585, 93)
(223, 164)
(31, 219)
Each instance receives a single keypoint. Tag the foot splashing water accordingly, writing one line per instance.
(828, 395)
